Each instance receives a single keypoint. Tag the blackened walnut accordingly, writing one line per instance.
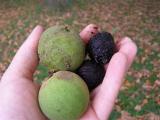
(101, 47)
(92, 73)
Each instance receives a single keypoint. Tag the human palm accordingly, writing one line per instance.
(19, 93)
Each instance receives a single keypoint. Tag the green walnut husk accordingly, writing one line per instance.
(64, 96)
(61, 49)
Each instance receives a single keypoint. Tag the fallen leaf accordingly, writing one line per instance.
(138, 107)
(151, 116)
(147, 87)
(126, 116)
(145, 101)
(157, 82)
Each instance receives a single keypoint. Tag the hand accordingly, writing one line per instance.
(104, 96)
(19, 93)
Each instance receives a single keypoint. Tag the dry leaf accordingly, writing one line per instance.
(138, 107)
(126, 116)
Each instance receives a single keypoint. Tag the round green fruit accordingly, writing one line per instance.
(64, 96)
(61, 49)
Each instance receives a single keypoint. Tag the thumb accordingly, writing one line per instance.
(25, 61)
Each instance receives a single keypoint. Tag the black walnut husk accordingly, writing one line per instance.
(92, 73)
(101, 47)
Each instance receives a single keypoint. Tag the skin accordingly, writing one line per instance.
(89, 31)
(18, 92)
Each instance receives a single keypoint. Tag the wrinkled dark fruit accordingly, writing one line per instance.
(101, 47)
(92, 73)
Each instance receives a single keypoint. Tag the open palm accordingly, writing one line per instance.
(19, 93)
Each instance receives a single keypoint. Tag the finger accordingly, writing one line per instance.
(105, 98)
(126, 46)
(26, 59)
(122, 41)
(129, 48)
(89, 115)
(88, 32)
(94, 92)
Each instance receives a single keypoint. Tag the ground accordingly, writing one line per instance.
(138, 19)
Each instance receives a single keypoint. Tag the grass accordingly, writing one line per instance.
(128, 103)
(43, 73)
(151, 107)
(114, 115)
